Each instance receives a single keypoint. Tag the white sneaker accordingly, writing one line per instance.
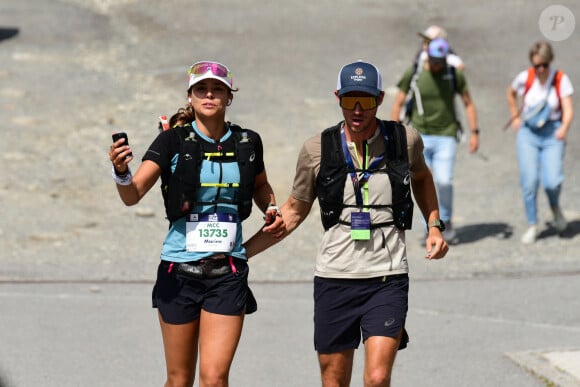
(530, 235)
(560, 222)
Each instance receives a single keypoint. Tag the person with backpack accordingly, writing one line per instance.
(210, 172)
(362, 171)
(433, 114)
(431, 33)
(542, 126)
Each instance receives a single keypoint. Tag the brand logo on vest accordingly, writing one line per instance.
(407, 180)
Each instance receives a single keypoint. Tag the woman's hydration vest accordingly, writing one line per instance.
(180, 188)
(331, 179)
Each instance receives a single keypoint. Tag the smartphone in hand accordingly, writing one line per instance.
(117, 136)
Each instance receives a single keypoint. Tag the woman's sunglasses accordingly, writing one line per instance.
(540, 65)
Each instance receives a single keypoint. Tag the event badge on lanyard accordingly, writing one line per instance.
(360, 221)
(360, 225)
(210, 232)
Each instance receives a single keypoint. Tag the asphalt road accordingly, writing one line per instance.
(463, 333)
(77, 266)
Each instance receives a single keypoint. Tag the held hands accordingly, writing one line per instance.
(435, 244)
(274, 222)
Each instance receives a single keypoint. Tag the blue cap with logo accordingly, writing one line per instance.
(438, 48)
(359, 76)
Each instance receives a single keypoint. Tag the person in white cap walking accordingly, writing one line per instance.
(210, 171)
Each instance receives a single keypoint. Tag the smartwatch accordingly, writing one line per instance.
(436, 223)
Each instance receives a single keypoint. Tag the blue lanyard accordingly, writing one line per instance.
(357, 181)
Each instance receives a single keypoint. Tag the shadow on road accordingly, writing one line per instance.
(572, 230)
(8, 32)
(3, 382)
(474, 232)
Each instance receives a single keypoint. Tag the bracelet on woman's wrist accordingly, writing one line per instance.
(125, 179)
(120, 174)
(274, 207)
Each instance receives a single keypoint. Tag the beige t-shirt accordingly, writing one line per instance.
(340, 256)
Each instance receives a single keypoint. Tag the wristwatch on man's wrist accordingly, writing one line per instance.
(436, 223)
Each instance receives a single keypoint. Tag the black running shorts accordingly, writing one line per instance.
(346, 308)
(180, 299)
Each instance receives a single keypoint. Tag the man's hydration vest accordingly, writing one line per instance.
(331, 179)
(180, 188)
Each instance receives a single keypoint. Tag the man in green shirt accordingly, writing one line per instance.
(433, 85)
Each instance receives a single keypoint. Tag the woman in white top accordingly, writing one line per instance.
(542, 124)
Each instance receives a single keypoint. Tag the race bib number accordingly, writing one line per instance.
(210, 232)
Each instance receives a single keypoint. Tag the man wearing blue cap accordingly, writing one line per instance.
(433, 115)
(361, 170)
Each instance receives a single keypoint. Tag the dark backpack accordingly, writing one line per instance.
(179, 189)
(333, 173)
(410, 102)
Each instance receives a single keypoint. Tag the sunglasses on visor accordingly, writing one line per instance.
(366, 103)
(216, 69)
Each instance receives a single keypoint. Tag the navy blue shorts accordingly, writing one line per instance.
(180, 299)
(346, 308)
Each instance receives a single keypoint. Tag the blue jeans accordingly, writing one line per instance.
(540, 155)
(439, 155)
